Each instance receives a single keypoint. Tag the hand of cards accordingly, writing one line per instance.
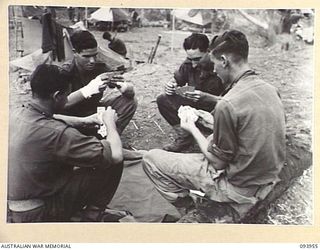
(111, 79)
(102, 130)
(182, 90)
(187, 112)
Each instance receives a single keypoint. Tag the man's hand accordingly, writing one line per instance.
(170, 87)
(95, 86)
(197, 95)
(187, 120)
(205, 118)
(188, 124)
(109, 117)
(194, 95)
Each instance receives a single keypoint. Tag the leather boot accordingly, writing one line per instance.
(184, 205)
(95, 214)
(182, 141)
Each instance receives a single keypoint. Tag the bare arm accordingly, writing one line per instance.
(109, 118)
(74, 98)
(95, 86)
(203, 143)
(78, 122)
(203, 96)
(206, 97)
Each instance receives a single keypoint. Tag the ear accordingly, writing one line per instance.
(225, 61)
(56, 96)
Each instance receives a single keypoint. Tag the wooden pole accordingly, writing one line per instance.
(173, 30)
(86, 17)
(155, 48)
(150, 55)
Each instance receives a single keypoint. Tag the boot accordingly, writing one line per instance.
(184, 205)
(94, 214)
(182, 141)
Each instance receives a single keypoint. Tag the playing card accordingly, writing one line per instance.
(187, 112)
(102, 130)
(182, 90)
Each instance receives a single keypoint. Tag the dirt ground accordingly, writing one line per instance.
(290, 71)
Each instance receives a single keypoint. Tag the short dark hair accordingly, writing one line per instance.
(47, 79)
(196, 41)
(233, 42)
(83, 39)
(106, 36)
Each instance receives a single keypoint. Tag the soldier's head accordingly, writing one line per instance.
(50, 83)
(85, 49)
(229, 51)
(196, 46)
(107, 36)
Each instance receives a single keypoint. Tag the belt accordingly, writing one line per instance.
(24, 205)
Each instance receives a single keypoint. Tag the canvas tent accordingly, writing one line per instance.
(32, 43)
(31, 29)
(34, 54)
(193, 16)
(109, 15)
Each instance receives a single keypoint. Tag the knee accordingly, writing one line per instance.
(128, 104)
(162, 100)
(133, 104)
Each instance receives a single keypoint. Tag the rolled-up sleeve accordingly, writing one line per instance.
(73, 148)
(224, 143)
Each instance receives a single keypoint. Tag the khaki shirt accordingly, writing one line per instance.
(43, 152)
(249, 133)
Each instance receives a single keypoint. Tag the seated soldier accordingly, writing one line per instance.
(115, 44)
(43, 183)
(207, 87)
(86, 93)
(247, 150)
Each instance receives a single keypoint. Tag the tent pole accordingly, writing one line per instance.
(173, 30)
(86, 17)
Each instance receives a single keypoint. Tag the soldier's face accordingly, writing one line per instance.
(86, 59)
(194, 55)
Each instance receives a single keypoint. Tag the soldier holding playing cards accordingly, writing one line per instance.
(54, 170)
(240, 163)
(192, 85)
(87, 90)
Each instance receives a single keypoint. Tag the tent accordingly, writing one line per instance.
(199, 17)
(109, 15)
(32, 33)
(36, 57)
(193, 18)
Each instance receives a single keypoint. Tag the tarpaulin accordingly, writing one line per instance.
(137, 194)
